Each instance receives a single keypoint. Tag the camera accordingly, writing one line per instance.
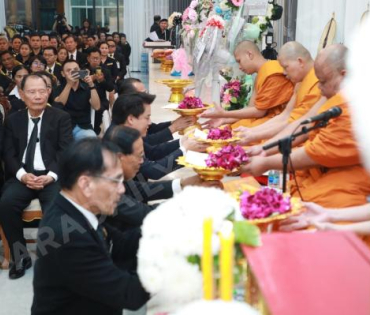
(59, 18)
(82, 74)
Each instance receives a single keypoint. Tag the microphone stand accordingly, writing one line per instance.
(285, 146)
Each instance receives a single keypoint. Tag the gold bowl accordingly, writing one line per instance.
(191, 112)
(296, 208)
(177, 88)
(216, 144)
(205, 173)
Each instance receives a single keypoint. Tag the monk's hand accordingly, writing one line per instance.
(246, 135)
(213, 123)
(256, 166)
(256, 150)
(315, 215)
(215, 112)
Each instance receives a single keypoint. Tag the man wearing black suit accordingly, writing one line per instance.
(134, 110)
(157, 133)
(74, 273)
(50, 54)
(73, 54)
(33, 141)
(118, 57)
(133, 208)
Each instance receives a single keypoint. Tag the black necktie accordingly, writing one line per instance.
(71, 57)
(102, 233)
(31, 147)
(51, 71)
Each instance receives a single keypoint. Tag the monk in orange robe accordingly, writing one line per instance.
(272, 90)
(297, 63)
(330, 172)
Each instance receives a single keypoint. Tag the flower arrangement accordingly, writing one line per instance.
(190, 102)
(225, 8)
(172, 244)
(220, 133)
(215, 21)
(234, 94)
(264, 203)
(195, 14)
(229, 158)
(174, 19)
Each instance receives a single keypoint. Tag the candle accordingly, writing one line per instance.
(227, 261)
(207, 260)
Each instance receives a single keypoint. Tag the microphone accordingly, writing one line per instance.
(330, 113)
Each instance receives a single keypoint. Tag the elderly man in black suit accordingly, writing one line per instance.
(74, 272)
(33, 141)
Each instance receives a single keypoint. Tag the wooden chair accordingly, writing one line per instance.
(31, 213)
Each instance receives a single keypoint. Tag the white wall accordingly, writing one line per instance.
(313, 15)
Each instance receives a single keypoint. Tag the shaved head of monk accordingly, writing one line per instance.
(249, 57)
(330, 69)
(296, 61)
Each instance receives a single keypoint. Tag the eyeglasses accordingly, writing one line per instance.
(114, 180)
(38, 64)
(33, 93)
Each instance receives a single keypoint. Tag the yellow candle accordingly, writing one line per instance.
(207, 260)
(227, 261)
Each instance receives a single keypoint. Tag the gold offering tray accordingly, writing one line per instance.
(296, 208)
(205, 173)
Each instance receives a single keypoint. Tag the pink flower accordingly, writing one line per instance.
(263, 204)
(228, 158)
(193, 4)
(185, 15)
(226, 98)
(187, 27)
(237, 3)
(193, 15)
(190, 102)
(220, 134)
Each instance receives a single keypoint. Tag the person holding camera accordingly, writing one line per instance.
(60, 25)
(103, 81)
(78, 95)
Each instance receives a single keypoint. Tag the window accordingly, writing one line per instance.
(105, 13)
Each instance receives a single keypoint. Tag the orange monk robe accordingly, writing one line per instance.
(341, 181)
(272, 91)
(308, 94)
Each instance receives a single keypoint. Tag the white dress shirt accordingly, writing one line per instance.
(52, 68)
(74, 54)
(38, 163)
(90, 217)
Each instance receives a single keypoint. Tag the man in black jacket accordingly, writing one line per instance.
(133, 207)
(157, 133)
(134, 110)
(103, 81)
(74, 273)
(33, 141)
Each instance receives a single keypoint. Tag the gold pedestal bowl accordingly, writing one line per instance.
(192, 112)
(205, 173)
(177, 88)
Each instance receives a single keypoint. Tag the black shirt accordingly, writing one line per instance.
(155, 27)
(78, 105)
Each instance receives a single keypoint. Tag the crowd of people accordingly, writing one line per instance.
(94, 193)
